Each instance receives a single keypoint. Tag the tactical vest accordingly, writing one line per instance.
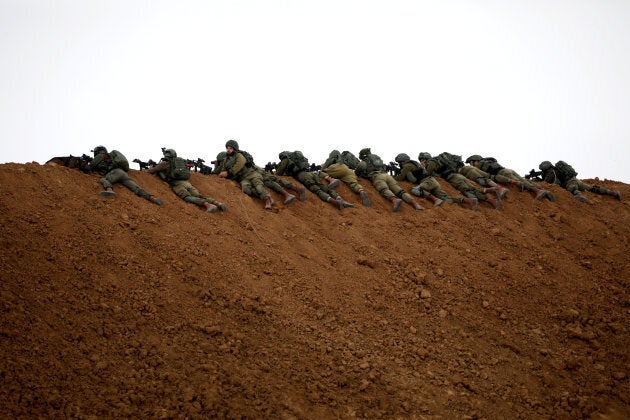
(374, 164)
(299, 163)
(179, 169)
(349, 159)
(118, 160)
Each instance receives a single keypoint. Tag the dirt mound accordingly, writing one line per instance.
(119, 307)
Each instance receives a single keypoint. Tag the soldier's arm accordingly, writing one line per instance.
(162, 166)
(282, 167)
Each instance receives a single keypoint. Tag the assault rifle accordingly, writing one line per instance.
(315, 168)
(144, 166)
(79, 162)
(271, 167)
(534, 175)
(199, 166)
(393, 169)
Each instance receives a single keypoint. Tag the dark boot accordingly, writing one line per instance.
(365, 198)
(344, 202)
(397, 202)
(494, 202)
(221, 206)
(472, 201)
(210, 208)
(520, 184)
(578, 196)
(301, 190)
(416, 205)
(436, 201)
(288, 198)
(108, 192)
(156, 200)
(332, 182)
(500, 190)
(268, 203)
(540, 193)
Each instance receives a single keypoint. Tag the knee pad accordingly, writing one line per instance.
(189, 199)
(247, 189)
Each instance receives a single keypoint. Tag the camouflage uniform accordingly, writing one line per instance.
(183, 188)
(508, 176)
(570, 183)
(460, 182)
(102, 164)
(310, 180)
(236, 167)
(483, 178)
(414, 172)
(371, 167)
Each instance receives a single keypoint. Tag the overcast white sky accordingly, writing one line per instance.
(520, 80)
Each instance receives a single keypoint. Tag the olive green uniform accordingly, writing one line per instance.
(103, 165)
(250, 180)
(182, 188)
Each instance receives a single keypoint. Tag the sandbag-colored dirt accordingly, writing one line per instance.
(119, 307)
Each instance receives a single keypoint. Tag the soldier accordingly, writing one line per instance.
(238, 166)
(114, 167)
(371, 167)
(176, 173)
(482, 178)
(341, 166)
(564, 175)
(508, 176)
(446, 165)
(414, 172)
(296, 165)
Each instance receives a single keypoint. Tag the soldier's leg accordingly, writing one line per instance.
(603, 191)
(574, 186)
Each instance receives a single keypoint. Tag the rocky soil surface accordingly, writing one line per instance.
(119, 307)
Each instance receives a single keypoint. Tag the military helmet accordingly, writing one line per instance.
(231, 143)
(473, 157)
(402, 158)
(169, 153)
(283, 155)
(424, 155)
(364, 153)
(335, 153)
(545, 165)
(221, 156)
(99, 149)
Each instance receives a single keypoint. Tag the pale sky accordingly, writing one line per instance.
(520, 80)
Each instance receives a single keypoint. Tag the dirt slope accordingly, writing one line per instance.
(118, 307)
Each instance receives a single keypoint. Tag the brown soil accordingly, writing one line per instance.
(119, 307)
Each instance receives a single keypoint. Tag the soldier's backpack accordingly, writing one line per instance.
(374, 163)
(349, 159)
(448, 161)
(249, 159)
(299, 161)
(179, 169)
(565, 170)
(119, 160)
(490, 165)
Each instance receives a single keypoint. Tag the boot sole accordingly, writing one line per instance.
(107, 194)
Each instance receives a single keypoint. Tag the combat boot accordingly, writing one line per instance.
(415, 205)
(436, 201)
(578, 196)
(397, 202)
(301, 190)
(501, 191)
(336, 203)
(540, 193)
(494, 202)
(288, 198)
(268, 202)
(332, 182)
(365, 198)
(156, 200)
(108, 192)
(472, 201)
(221, 206)
(344, 203)
(210, 208)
